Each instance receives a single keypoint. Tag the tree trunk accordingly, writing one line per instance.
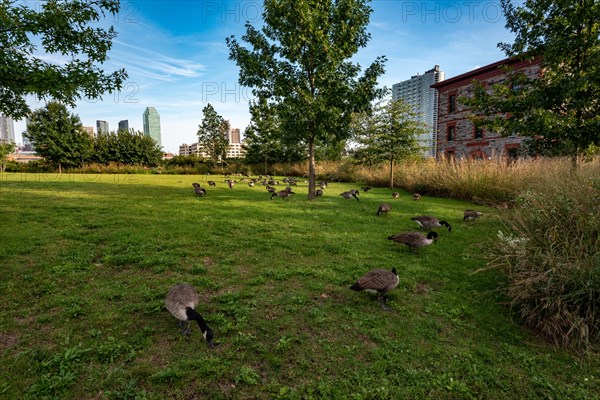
(59, 168)
(311, 169)
(266, 167)
(392, 173)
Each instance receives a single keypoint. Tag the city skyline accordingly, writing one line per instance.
(187, 65)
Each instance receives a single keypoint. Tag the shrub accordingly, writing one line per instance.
(550, 254)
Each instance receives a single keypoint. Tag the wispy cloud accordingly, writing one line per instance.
(153, 64)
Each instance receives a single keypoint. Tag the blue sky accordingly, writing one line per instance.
(177, 60)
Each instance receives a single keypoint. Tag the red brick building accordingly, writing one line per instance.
(459, 137)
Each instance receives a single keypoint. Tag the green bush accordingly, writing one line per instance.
(550, 254)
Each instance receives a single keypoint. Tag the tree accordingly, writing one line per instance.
(5, 150)
(126, 147)
(299, 61)
(63, 29)
(212, 134)
(560, 109)
(263, 138)
(390, 134)
(58, 136)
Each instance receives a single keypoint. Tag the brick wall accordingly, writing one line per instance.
(457, 136)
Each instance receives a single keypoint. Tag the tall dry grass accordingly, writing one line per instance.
(549, 252)
(493, 180)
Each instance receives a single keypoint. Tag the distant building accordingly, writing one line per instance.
(27, 145)
(235, 146)
(7, 129)
(192, 149)
(124, 125)
(417, 92)
(101, 126)
(89, 130)
(151, 121)
(233, 151)
(457, 135)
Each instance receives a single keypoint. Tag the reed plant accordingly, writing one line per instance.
(549, 252)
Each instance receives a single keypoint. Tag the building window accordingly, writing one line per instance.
(451, 103)
(450, 135)
(478, 132)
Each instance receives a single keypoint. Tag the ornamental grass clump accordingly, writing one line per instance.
(550, 254)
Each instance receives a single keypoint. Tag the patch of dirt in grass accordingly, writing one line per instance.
(421, 288)
(8, 340)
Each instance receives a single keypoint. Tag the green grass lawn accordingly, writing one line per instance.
(86, 262)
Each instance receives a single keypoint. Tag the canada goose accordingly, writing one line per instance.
(395, 195)
(427, 222)
(271, 189)
(416, 196)
(230, 183)
(181, 302)
(211, 183)
(282, 193)
(350, 194)
(365, 188)
(383, 208)
(378, 281)
(471, 214)
(198, 190)
(319, 192)
(414, 240)
(323, 185)
(250, 184)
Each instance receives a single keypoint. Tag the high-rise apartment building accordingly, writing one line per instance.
(7, 129)
(101, 126)
(124, 125)
(417, 92)
(151, 121)
(235, 146)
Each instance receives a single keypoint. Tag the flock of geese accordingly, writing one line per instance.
(182, 299)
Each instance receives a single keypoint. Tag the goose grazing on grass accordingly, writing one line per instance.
(319, 192)
(471, 214)
(414, 240)
(378, 281)
(250, 184)
(395, 195)
(428, 222)
(366, 188)
(181, 302)
(350, 194)
(282, 193)
(416, 196)
(212, 183)
(198, 190)
(383, 208)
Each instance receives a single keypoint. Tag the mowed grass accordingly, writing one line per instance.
(86, 262)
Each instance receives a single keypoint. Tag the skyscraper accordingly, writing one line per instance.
(101, 126)
(152, 124)
(418, 93)
(124, 125)
(7, 129)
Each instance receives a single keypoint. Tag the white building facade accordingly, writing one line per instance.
(417, 92)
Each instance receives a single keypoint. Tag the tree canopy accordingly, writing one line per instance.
(60, 28)
(126, 147)
(389, 134)
(560, 108)
(263, 138)
(212, 134)
(58, 136)
(299, 60)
